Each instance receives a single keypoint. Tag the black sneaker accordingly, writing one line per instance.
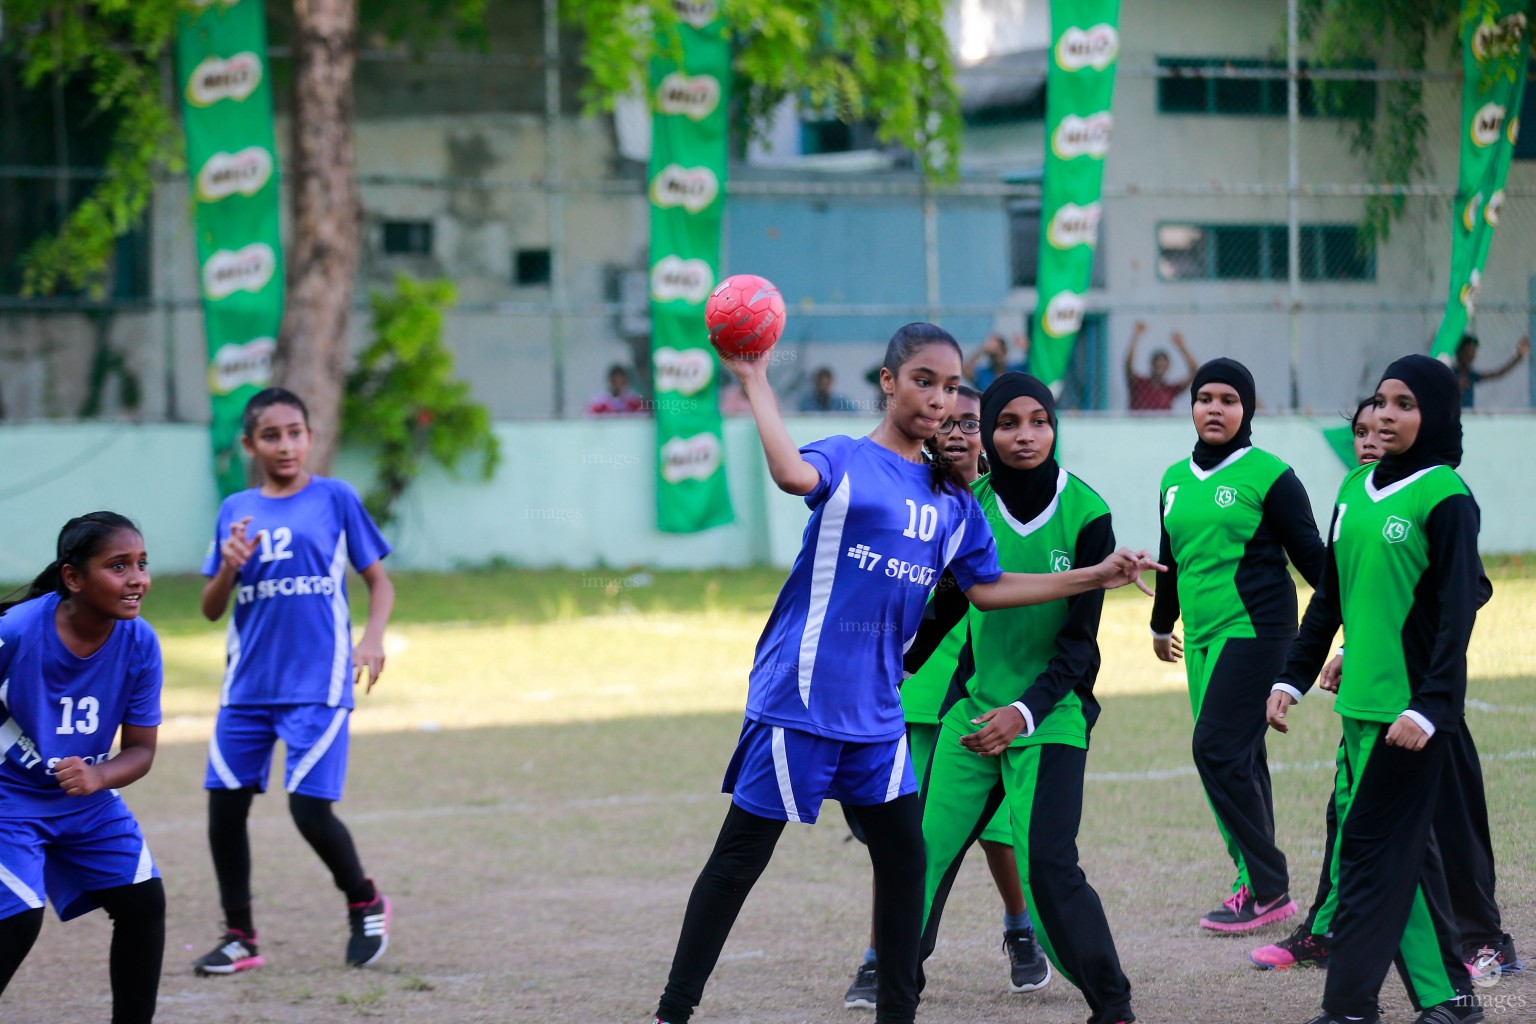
(1338, 1018)
(369, 924)
(1461, 1010)
(235, 952)
(1028, 969)
(1486, 959)
(1242, 912)
(861, 994)
(1301, 949)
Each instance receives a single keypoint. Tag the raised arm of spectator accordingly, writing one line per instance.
(1130, 350)
(1191, 365)
(1522, 349)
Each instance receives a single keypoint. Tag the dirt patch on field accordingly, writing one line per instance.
(539, 874)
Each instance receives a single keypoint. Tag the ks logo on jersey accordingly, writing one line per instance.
(1226, 496)
(1395, 530)
(1061, 561)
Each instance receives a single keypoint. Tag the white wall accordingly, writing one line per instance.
(581, 494)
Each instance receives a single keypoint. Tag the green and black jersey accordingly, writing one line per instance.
(1226, 534)
(1403, 578)
(1045, 656)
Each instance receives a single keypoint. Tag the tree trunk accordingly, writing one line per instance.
(322, 259)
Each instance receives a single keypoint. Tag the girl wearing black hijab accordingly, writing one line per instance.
(1402, 576)
(1231, 515)
(1022, 698)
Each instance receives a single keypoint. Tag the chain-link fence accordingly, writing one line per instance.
(1228, 223)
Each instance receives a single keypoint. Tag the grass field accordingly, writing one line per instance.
(535, 782)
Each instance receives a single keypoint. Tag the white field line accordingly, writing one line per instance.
(528, 810)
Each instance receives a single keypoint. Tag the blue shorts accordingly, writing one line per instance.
(65, 858)
(785, 774)
(240, 752)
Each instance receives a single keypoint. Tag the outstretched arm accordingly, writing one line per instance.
(1015, 589)
(1522, 349)
(786, 465)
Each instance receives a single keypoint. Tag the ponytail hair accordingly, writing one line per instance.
(81, 540)
(905, 344)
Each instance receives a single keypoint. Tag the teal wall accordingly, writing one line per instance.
(580, 494)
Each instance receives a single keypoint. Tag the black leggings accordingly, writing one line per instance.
(138, 946)
(229, 839)
(894, 832)
(1464, 841)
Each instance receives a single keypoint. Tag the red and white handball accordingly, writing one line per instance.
(745, 314)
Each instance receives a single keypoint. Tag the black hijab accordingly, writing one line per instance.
(1024, 492)
(1439, 440)
(1235, 375)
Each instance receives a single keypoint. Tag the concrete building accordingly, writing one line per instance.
(459, 179)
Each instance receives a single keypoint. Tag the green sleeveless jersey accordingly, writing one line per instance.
(1212, 518)
(1381, 553)
(1010, 647)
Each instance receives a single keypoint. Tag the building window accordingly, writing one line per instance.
(407, 238)
(1024, 246)
(531, 267)
(1190, 91)
(1257, 252)
(834, 136)
(53, 148)
(1024, 241)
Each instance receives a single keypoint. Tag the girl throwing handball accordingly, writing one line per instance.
(281, 551)
(922, 694)
(824, 716)
(76, 665)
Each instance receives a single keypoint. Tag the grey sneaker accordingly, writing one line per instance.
(861, 994)
(1028, 968)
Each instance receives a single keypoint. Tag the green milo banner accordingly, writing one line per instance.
(1494, 57)
(1079, 85)
(687, 193)
(226, 110)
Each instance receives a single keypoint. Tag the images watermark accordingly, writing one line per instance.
(553, 515)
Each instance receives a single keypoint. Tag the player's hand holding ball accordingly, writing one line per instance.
(745, 316)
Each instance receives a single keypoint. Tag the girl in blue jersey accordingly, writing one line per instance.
(824, 716)
(281, 551)
(77, 665)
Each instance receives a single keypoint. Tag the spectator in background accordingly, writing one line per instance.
(990, 361)
(620, 399)
(733, 401)
(822, 397)
(1157, 391)
(1467, 378)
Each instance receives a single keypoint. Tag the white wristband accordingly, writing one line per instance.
(1029, 719)
(1161, 636)
(1287, 688)
(1420, 721)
